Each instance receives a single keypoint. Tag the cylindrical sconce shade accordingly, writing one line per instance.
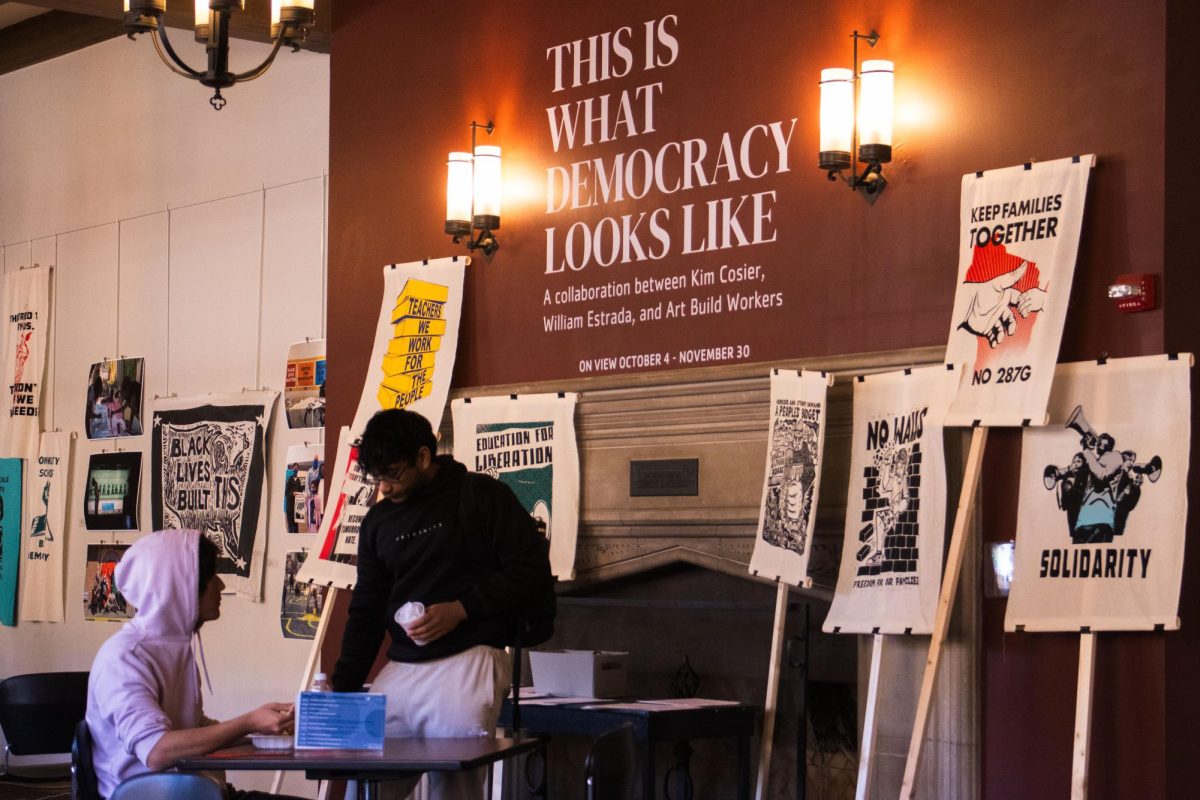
(458, 194)
(278, 5)
(487, 187)
(875, 111)
(201, 13)
(837, 117)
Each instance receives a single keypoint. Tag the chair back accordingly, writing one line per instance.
(38, 712)
(610, 763)
(83, 771)
(169, 786)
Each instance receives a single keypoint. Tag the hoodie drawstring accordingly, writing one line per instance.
(198, 647)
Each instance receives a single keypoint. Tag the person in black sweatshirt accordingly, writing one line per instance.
(461, 545)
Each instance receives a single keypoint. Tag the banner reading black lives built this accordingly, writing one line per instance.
(659, 215)
(1101, 522)
(209, 475)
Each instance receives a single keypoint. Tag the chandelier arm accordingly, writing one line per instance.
(258, 71)
(161, 43)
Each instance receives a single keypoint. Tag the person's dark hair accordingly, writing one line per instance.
(393, 435)
(208, 562)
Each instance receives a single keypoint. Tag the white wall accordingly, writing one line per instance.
(193, 238)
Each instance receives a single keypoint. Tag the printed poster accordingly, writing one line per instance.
(1101, 522)
(528, 443)
(795, 443)
(351, 494)
(304, 385)
(114, 399)
(301, 604)
(45, 562)
(891, 566)
(10, 537)
(303, 500)
(416, 340)
(208, 468)
(24, 327)
(1019, 234)
(112, 493)
(102, 600)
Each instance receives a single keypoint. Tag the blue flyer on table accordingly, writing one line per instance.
(340, 720)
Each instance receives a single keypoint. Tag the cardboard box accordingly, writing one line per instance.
(578, 673)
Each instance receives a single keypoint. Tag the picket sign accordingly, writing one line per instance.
(866, 752)
(1083, 715)
(941, 625)
(769, 706)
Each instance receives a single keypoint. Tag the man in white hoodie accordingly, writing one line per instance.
(144, 706)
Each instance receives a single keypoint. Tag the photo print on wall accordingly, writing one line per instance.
(102, 600)
(304, 385)
(301, 604)
(114, 399)
(111, 494)
(303, 500)
(208, 468)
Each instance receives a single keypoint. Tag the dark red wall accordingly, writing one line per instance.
(979, 85)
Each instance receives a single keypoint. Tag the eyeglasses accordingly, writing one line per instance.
(392, 475)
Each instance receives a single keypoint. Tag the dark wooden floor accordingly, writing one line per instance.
(49, 790)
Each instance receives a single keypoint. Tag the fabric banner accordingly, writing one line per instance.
(528, 443)
(1019, 233)
(114, 399)
(304, 385)
(102, 600)
(45, 562)
(891, 565)
(302, 497)
(351, 494)
(416, 339)
(113, 491)
(24, 328)
(792, 484)
(301, 604)
(1101, 521)
(209, 475)
(10, 537)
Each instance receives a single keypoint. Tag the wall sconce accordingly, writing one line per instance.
(473, 194)
(867, 123)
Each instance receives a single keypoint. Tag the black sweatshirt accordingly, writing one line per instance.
(422, 550)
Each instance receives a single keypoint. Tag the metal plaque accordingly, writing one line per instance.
(676, 477)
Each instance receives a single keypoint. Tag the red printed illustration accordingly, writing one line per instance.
(22, 356)
(1006, 303)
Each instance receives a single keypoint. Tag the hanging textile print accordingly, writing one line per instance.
(896, 504)
(1103, 505)
(208, 468)
(10, 537)
(304, 385)
(351, 494)
(44, 562)
(23, 331)
(792, 485)
(114, 399)
(528, 443)
(302, 498)
(1019, 233)
(102, 600)
(416, 339)
(301, 605)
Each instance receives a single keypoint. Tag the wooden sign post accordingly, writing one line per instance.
(772, 701)
(1083, 715)
(867, 751)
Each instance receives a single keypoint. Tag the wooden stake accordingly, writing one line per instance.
(1083, 715)
(867, 751)
(310, 667)
(941, 625)
(768, 731)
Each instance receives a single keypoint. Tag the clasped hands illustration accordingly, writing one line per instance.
(992, 314)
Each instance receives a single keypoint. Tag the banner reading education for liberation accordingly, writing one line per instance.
(795, 445)
(528, 443)
(209, 475)
(1018, 237)
(44, 564)
(351, 495)
(896, 504)
(24, 328)
(10, 537)
(1101, 522)
(416, 339)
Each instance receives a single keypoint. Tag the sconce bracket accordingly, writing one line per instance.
(870, 184)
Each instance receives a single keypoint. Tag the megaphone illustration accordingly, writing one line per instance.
(1052, 475)
(1079, 422)
(1152, 469)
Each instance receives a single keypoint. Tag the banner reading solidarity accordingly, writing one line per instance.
(1101, 520)
(209, 475)
(528, 443)
(44, 564)
(1019, 234)
(23, 345)
(794, 455)
(895, 505)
